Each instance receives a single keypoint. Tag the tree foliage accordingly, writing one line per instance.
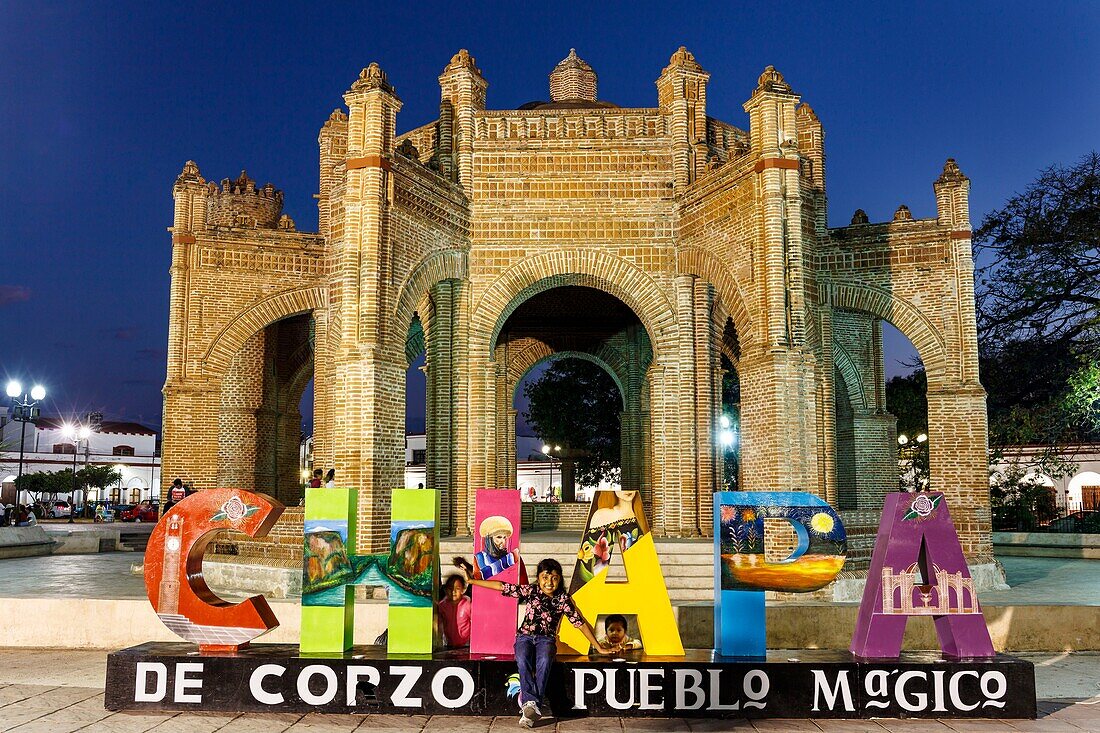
(906, 399)
(1039, 308)
(1042, 278)
(576, 404)
(98, 477)
(46, 483)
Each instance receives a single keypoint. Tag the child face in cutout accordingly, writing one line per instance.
(549, 580)
(456, 589)
(616, 633)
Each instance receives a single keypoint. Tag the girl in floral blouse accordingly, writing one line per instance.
(536, 638)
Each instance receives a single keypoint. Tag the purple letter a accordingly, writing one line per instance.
(918, 569)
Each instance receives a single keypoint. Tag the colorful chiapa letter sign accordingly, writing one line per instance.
(617, 524)
(496, 557)
(918, 569)
(173, 568)
(413, 564)
(742, 574)
(329, 571)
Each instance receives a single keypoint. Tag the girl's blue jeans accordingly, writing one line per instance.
(534, 655)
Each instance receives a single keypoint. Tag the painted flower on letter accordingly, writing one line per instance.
(234, 510)
(923, 505)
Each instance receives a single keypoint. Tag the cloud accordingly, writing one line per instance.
(13, 294)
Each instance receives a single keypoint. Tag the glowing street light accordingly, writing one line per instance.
(24, 409)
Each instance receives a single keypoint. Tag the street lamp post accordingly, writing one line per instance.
(77, 434)
(24, 410)
(546, 450)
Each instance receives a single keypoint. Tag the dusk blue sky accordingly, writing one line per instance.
(101, 104)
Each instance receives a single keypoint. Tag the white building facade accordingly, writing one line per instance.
(129, 447)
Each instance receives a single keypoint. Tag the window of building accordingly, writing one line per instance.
(64, 448)
(135, 496)
(420, 456)
(123, 450)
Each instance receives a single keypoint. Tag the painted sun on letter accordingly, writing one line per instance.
(821, 523)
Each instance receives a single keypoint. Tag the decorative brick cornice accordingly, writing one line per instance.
(369, 161)
(183, 239)
(765, 163)
(962, 234)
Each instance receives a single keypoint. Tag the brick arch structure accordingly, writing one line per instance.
(587, 267)
(903, 315)
(244, 325)
(708, 266)
(433, 268)
(680, 215)
(539, 352)
(853, 381)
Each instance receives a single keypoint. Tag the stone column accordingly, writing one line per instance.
(242, 397)
(682, 91)
(462, 89)
(958, 464)
(368, 367)
(439, 362)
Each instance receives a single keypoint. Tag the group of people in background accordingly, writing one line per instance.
(328, 480)
(17, 516)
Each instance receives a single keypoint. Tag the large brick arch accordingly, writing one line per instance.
(231, 338)
(857, 393)
(437, 266)
(584, 267)
(708, 266)
(533, 352)
(903, 315)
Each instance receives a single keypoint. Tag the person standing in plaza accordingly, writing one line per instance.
(176, 493)
(315, 482)
(330, 479)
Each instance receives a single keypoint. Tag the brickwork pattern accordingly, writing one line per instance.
(714, 237)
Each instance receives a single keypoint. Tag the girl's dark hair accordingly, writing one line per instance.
(451, 580)
(330, 475)
(553, 566)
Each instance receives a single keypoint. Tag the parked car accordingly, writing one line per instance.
(144, 511)
(58, 509)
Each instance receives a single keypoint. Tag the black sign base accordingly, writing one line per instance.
(276, 678)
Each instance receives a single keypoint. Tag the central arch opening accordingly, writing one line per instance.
(558, 447)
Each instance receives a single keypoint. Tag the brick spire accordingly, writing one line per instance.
(572, 79)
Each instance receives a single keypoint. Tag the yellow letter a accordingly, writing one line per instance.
(615, 522)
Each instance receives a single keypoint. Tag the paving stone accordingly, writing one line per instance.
(849, 726)
(458, 724)
(403, 723)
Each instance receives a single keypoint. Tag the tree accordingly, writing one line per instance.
(44, 483)
(906, 399)
(1039, 308)
(576, 404)
(97, 477)
(1019, 498)
(1043, 274)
